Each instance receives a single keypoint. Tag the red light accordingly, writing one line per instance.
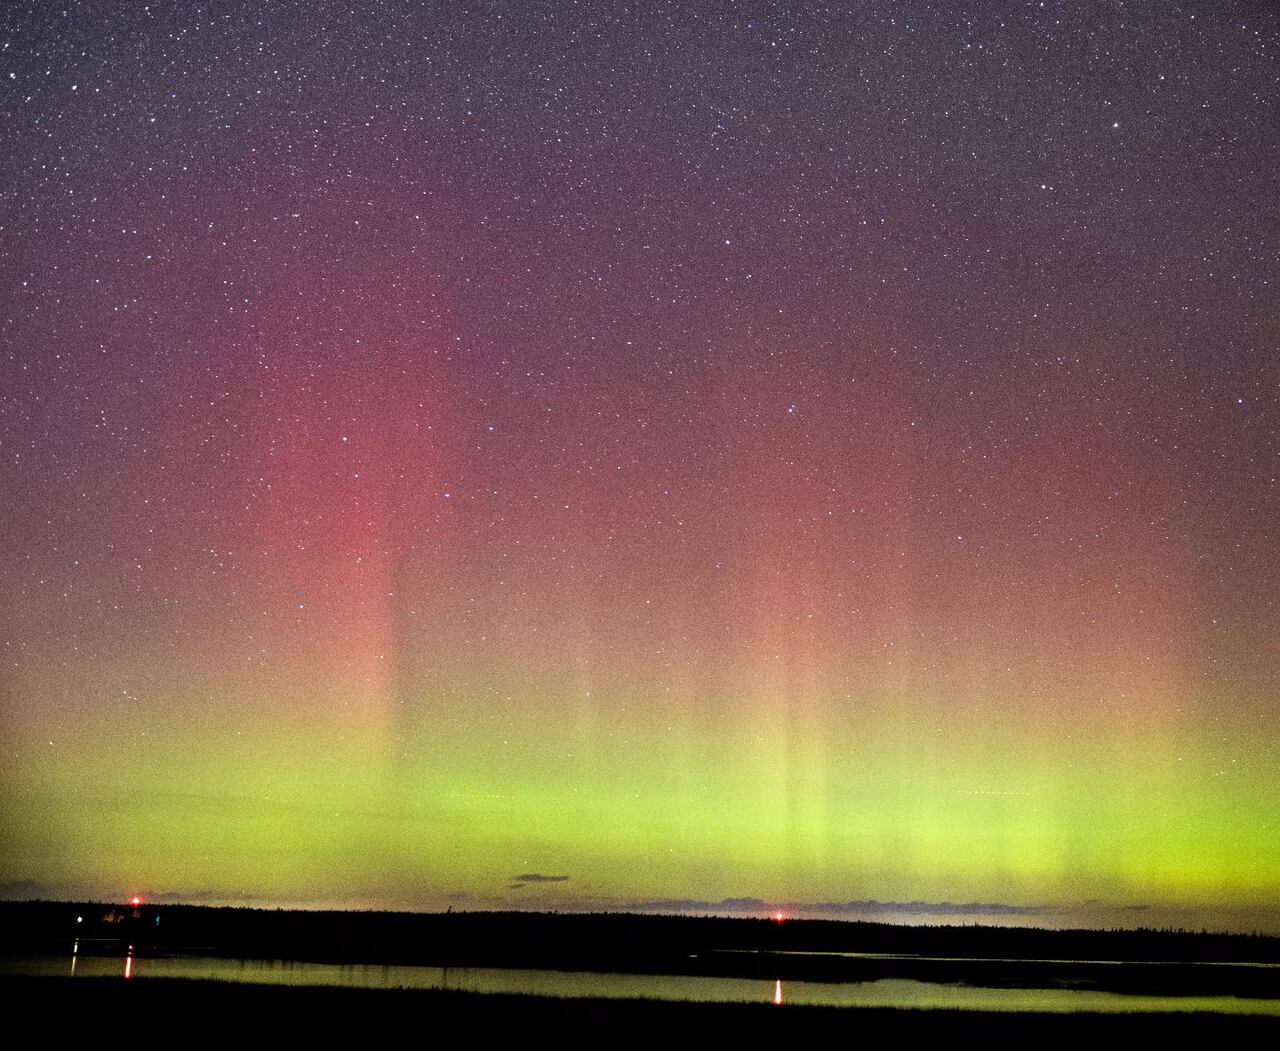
(136, 900)
(777, 917)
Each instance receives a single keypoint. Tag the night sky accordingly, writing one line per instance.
(814, 453)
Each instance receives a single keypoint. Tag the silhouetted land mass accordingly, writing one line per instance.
(1136, 961)
(174, 1010)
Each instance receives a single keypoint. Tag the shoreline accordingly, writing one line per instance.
(1148, 963)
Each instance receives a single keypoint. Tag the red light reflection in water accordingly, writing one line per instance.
(777, 992)
(128, 963)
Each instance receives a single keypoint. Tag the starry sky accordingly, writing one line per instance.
(572, 454)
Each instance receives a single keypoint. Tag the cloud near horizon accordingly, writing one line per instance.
(921, 908)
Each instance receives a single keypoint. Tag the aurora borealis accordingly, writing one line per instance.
(784, 451)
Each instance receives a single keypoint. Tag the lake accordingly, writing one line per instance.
(889, 992)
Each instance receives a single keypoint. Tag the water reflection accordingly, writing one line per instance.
(890, 992)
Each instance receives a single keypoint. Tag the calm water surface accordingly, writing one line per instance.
(888, 992)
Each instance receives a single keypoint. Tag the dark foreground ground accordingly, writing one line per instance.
(146, 1012)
